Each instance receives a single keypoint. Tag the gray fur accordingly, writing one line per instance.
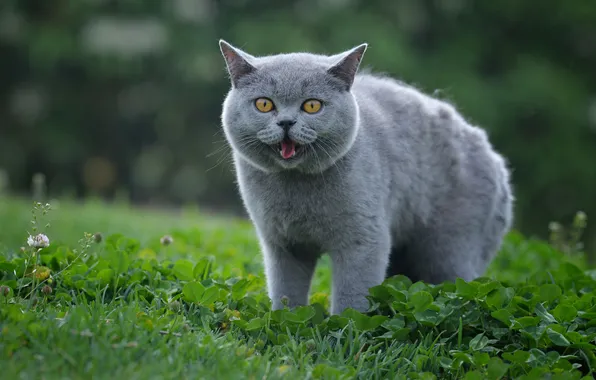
(388, 180)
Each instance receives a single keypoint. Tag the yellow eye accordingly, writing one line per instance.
(264, 104)
(311, 106)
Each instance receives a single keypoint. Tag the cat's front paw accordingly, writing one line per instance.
(358, 302)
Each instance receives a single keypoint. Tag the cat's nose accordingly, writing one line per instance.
(286, 124)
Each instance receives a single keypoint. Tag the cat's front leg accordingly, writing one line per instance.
(289, 274)
(357, 267)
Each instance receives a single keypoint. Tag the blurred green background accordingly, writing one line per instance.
(122, 98)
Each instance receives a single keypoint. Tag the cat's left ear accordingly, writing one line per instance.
(236, 61)
(348, 65)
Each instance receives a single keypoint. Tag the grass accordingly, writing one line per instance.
(110, 297)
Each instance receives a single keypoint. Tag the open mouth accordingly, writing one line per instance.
(288, 148)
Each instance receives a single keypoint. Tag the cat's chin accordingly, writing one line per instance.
(290, 161)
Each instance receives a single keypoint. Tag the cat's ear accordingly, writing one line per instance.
(236, 62)
(348, 65)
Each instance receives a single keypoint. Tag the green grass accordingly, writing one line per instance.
(131, 307)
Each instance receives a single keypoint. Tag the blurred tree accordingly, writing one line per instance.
(105, 95)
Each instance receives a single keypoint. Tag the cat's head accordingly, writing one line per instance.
(291, 111)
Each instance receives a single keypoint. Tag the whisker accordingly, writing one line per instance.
(243, 139)
(311, 146)
(220, 161)
(324, 144)
(244, 142)
(218, 150)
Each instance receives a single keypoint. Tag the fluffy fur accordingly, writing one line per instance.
(386, 180)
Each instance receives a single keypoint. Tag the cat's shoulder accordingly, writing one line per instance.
(376, 90)
(368, 83)
(366, 78)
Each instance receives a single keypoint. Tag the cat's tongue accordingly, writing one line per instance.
(288, 149)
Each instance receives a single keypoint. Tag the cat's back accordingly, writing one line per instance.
(423, 134)
(385, 98)
(390, 109)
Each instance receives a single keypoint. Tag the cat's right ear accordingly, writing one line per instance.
(236, 62)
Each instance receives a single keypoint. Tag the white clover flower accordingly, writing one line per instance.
(38, 241)
(166, 240)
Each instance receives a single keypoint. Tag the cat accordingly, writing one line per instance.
(380, 176)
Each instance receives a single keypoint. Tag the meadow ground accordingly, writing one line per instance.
(138, 294)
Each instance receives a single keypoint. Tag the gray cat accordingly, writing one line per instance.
(382, 177)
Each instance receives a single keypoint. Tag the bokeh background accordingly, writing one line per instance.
(121, 99)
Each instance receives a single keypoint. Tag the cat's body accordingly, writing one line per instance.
(409, 179)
